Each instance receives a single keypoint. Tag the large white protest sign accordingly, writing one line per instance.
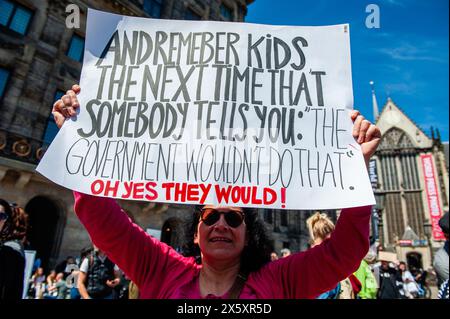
(213, 112)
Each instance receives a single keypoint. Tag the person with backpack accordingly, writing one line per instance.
(98, 276)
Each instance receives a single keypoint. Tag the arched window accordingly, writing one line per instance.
(414, 261)
(47, 221)
(172, 233)
(395, 139)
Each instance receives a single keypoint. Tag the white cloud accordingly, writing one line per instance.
(404, 88)
(395, 2)
(383, 34)
(409, 52)
(408, 85)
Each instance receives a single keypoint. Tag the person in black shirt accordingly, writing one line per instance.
(390, 280)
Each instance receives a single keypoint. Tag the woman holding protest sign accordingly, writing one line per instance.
(232, 242)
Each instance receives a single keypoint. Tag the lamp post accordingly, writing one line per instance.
(427, 227)
(378, 216)
(380, 230)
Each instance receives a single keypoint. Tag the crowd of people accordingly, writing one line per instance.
(91, 275)
(381, 275)
(380, 279)
(228, 252)
(374, 279)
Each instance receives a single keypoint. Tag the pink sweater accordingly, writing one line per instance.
(160, 272)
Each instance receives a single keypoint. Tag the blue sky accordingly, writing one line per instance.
(407, 57)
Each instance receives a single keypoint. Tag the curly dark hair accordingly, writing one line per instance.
(255, 254)
(6, 231)
(16, 224)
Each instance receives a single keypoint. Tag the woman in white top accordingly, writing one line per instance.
(410, 286)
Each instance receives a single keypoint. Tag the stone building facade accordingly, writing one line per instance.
(413, 187)
(288, 227)
(39, 59)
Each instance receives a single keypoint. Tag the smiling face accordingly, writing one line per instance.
(220, 242)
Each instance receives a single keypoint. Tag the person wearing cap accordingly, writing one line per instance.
(440, 263)
(389, 278)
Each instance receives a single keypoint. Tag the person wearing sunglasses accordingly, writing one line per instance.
(231, 242)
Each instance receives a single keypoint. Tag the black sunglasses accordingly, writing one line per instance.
(3, 216)
(210, 216)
